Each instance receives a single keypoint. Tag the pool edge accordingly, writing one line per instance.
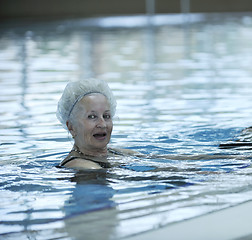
(230, 223)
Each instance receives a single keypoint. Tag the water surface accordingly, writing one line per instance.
(182, 89)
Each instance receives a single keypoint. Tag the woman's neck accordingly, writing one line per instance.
(96, 153)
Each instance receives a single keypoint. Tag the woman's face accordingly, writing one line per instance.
(92, 124)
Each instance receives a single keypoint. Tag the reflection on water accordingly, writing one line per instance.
(181, 89)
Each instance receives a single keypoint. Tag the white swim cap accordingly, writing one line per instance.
(75, 91)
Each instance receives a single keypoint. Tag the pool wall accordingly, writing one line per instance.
(18, 9)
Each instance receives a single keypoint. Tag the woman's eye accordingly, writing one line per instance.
(91, 116)
(107, 116)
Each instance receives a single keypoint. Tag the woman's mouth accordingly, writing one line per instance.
(100, 136)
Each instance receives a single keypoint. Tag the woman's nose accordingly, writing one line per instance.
(101, 123)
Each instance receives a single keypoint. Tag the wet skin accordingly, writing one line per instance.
(91, 125)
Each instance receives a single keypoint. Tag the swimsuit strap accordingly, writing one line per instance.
(113, 151)
(70, 158)
(66, 160)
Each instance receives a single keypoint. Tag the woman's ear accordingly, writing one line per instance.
(70, 128)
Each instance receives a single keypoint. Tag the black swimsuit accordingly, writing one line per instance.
(73, 155)
(102, 164)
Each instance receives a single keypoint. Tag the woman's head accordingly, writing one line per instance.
(91, 123)
(86, 108)
(75, 91)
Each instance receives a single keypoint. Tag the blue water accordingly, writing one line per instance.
(182, 88)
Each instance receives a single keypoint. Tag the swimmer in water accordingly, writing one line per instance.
(86, 109)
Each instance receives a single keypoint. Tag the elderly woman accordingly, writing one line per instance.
(86, 108)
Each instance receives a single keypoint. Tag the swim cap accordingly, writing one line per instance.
(75, 91)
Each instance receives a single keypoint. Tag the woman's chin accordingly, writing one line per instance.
(100, 143)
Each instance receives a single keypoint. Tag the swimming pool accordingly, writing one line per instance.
(182, 89)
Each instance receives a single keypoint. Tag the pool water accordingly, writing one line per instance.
(183, 85)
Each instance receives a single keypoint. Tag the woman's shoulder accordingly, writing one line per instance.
(76, 161)
(80, 163)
